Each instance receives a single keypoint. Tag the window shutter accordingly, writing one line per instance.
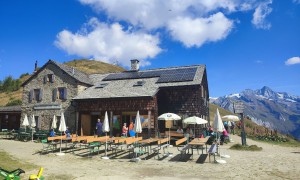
(38, 123)
(54, 94)
(202, 93)
(65, 93)
(53, 78)
(45, 79)
(40, 94)
(31, 95)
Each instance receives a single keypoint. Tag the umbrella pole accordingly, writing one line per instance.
(60, 144)
(169, 137)
(105, 143)
(105, 157)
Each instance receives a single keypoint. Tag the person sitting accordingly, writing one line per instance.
(52, 133)
(179, 130)
(189, 131)
(223, 137)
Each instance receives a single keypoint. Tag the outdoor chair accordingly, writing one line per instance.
(212, 151)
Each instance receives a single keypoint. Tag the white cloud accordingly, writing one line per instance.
(157, 13)
(109, 43)
(292, 61)
(296, 1)
(260, 14)
(195, 32)
(191, 22)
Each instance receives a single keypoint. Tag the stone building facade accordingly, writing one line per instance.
(49, 92)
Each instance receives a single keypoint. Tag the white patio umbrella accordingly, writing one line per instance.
(218, 127)
(25, 122)
(218, 124)
(62, 127)
(105, 128)
(53, 125)
(230, 118)
(194, 120)
(169, 117)
(32, 124)
(137, 128)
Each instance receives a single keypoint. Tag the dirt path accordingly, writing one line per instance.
(273, 162)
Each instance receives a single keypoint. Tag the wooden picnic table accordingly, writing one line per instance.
(198, 143)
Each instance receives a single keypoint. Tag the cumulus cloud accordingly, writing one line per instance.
(195, 32)
(260, 14)
(106, 42)
(133, 28)
(157, 13)
(292, 61)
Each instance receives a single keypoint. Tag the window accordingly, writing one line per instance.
(139, 83)
(102, 85)
(61, 93)
(49, 78)
(35, 94)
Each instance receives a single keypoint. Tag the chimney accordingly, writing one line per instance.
(35, 66)
(135, 65)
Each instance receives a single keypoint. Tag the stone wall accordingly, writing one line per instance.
(47, 107)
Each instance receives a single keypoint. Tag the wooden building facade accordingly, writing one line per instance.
(180, 90)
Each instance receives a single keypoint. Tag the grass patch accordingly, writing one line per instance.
(10, 163)
(245, 148)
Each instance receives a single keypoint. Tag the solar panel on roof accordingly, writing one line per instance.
(179, 75)
(165, 75)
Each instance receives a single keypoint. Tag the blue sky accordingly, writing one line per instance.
(243, 43)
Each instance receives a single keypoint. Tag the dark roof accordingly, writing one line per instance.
(166, 75)
(126, 84)
(10, 109)
(73, 72)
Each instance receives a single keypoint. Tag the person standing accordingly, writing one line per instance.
(124, 130)
(99, 128)
(131, 126)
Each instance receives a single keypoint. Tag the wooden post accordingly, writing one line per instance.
(149, 123)
(111, 124)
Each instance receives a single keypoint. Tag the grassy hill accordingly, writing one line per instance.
(87, 66)
(94, 67)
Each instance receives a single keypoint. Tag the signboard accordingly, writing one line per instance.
(238, 107)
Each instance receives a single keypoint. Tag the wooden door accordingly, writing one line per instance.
(85, 124)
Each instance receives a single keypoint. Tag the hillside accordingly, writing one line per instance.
(87, 66)
(94, 67)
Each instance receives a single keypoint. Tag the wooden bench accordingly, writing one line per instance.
(124, 144)
(54, 138)
(180, 141)
(134, 147)
(174, 134)
(161, 145)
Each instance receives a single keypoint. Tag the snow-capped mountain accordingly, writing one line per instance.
(276, 110)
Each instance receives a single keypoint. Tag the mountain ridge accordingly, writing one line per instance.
(275, 110)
